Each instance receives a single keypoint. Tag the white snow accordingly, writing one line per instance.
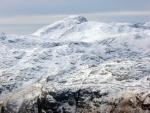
(76, 53)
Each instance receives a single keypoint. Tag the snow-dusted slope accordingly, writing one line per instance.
(76, 28)
(77, 66)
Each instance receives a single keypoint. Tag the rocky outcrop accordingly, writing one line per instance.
(82, 101)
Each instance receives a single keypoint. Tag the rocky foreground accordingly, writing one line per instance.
(76, 66)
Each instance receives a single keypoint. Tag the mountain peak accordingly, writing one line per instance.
(77, 18)
(65, 23)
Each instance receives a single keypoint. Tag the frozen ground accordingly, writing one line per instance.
(76, 66)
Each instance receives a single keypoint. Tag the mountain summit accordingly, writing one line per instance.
(64, 24)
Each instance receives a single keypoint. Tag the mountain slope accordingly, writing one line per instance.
(76, 66)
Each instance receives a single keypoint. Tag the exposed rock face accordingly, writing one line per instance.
(86, 100)
(76, 66)
(83, 101)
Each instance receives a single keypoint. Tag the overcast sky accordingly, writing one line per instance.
(12, 10)
(46, 7)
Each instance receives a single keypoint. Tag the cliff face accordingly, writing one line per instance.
(76, 66)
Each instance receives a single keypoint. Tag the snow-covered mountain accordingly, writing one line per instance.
(76, 66)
